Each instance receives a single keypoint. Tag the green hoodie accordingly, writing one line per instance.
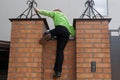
(59, 19)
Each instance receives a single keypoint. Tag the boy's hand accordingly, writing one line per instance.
(36, 9)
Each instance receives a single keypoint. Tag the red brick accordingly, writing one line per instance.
(105, 41)
(93, 31)
(93, 40)
(87, 70)
(102, 55)
(106, 60)
(37, 60)
(24, 70)
(12, 69)
(97, 36)
(33, 64)
(99, 70)
(104, 65)
(25, 50)
(103, 76)
(36, 70)
(19, 64)
(105, 31)
(107, 70)
(31, 55)
(85, 75)
(24, 60)
(80, 50)
(89, 50)
(83, 65)
(19, 78)
(32, 75)
(93, 59)
(85, 55)
(80, 59)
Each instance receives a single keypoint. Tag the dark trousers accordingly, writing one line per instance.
(62, 35)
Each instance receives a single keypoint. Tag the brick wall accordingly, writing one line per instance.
(92, 44)
(31, 61)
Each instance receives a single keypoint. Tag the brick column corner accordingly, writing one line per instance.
(92, 46)
(25, 60)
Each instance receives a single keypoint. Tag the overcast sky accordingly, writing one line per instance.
(71, 8)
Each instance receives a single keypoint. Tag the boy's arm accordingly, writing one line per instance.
(44, 12)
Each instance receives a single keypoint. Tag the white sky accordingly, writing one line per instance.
(71, 8)
(101, 8)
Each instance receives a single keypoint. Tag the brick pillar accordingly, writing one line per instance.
(92, 45)
(25, 61)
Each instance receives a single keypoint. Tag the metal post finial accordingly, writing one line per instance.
(90, 11)
(30, 13)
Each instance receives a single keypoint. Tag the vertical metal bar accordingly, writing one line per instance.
(90, 12)
(30, 10)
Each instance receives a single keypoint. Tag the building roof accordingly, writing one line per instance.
(4, 45)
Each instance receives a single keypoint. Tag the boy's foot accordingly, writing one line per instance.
(57, 75)
(46, 37)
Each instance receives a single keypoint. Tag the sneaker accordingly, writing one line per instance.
(57, 75)
(47, 37)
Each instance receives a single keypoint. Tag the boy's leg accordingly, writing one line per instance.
(62, 35)
(61, 43)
